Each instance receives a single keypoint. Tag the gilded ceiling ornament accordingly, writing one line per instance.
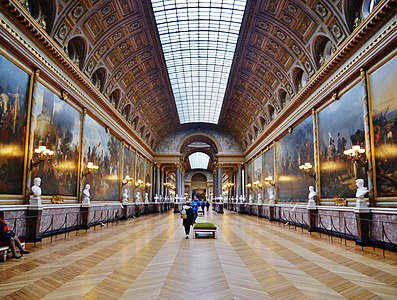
(111, 19)
(296, 49)
(102, 50)
(78, 11)
(281, 35)
(292, 9)
(287, 19)
(267, 63)
(336, 31)
(107, 9)
(118, 35)
(252, 54)
(321, 10)
(63, 31)
(263, 25)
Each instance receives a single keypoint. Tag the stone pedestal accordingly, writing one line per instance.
(33, 223)
(272, 210)
(312, 217)
(85, 214)
(363, 219)
(124, 210)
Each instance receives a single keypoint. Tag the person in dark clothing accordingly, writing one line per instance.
(203, 205)
(187, 218)
(8, 236)
(207, 204)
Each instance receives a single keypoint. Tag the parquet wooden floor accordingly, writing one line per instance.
(149, 258)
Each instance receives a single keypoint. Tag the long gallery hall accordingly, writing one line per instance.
(278, 115)
(149, 258)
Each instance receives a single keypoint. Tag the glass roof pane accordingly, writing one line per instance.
(199, 39)
(199, 160)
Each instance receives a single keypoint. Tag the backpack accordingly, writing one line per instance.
(183, 214)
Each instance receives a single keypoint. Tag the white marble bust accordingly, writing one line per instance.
(312, 193)
(137, 197)
(125, 196)
(146, 197)
(36, 189)
(361, 189)
(259, 198)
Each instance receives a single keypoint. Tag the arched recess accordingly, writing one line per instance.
(368, 6)
(98, 78)
(147, 137)
(77, 51)
(43, 12)
(262, 121)
(199, 143)
(272, 112)
(300, 78)
(323, 49)
(199, 176)
(114, 98)
(142, 130)
(282, 98)
(353, 13)
(135, 122)
(126, 111)
(256, 131)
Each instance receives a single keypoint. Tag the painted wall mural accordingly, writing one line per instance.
(268, 165)
(338, 174)
(14, 90)
(129, 169)
(384, 113)
(248, 176)
(103, 149)
(56, 125)
(293, 150)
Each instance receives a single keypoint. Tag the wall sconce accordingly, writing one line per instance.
(257, 184)
(90, 168)
(127, 180)
(308, 169)
(270, 181)
(139, 183)
(248, 186)
(42, 154)
(356, 154)
(148, 184)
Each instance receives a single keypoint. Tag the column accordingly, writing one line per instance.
(178, 181)
(238, 181)
(158, 181)
(215, 183)
(219, 186)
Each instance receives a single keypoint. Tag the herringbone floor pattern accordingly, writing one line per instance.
(149, 258)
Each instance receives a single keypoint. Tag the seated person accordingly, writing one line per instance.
(8, 236)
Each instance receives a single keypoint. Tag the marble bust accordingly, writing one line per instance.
(312, 193)
(137, 197)
(361, 189)
(36, 189)
(259, 198)
(86, 195)
(125, 196)
(146, 197)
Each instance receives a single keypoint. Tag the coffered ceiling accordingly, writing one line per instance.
(116, 45)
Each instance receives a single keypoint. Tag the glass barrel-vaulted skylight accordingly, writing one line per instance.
(199, 160)
(199, 38)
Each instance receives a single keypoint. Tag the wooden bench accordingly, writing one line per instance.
(4, 250)
(204, 227)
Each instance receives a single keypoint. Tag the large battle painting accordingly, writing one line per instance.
(293, 150)
(258, 167)
(268, 158)
(340, 126)
(14, 89)
(129, 169)
(384, 104)
(140, 174)
(248, 176)
(148, 179)
(103, 149)
(57, 126)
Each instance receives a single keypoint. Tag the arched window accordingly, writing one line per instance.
(272, 112)
(98, 78)
(76, 51)
(300, 78)
(114, 98)
(369, 6)
(42, 11)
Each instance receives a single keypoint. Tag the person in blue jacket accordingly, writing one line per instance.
(195, 206)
